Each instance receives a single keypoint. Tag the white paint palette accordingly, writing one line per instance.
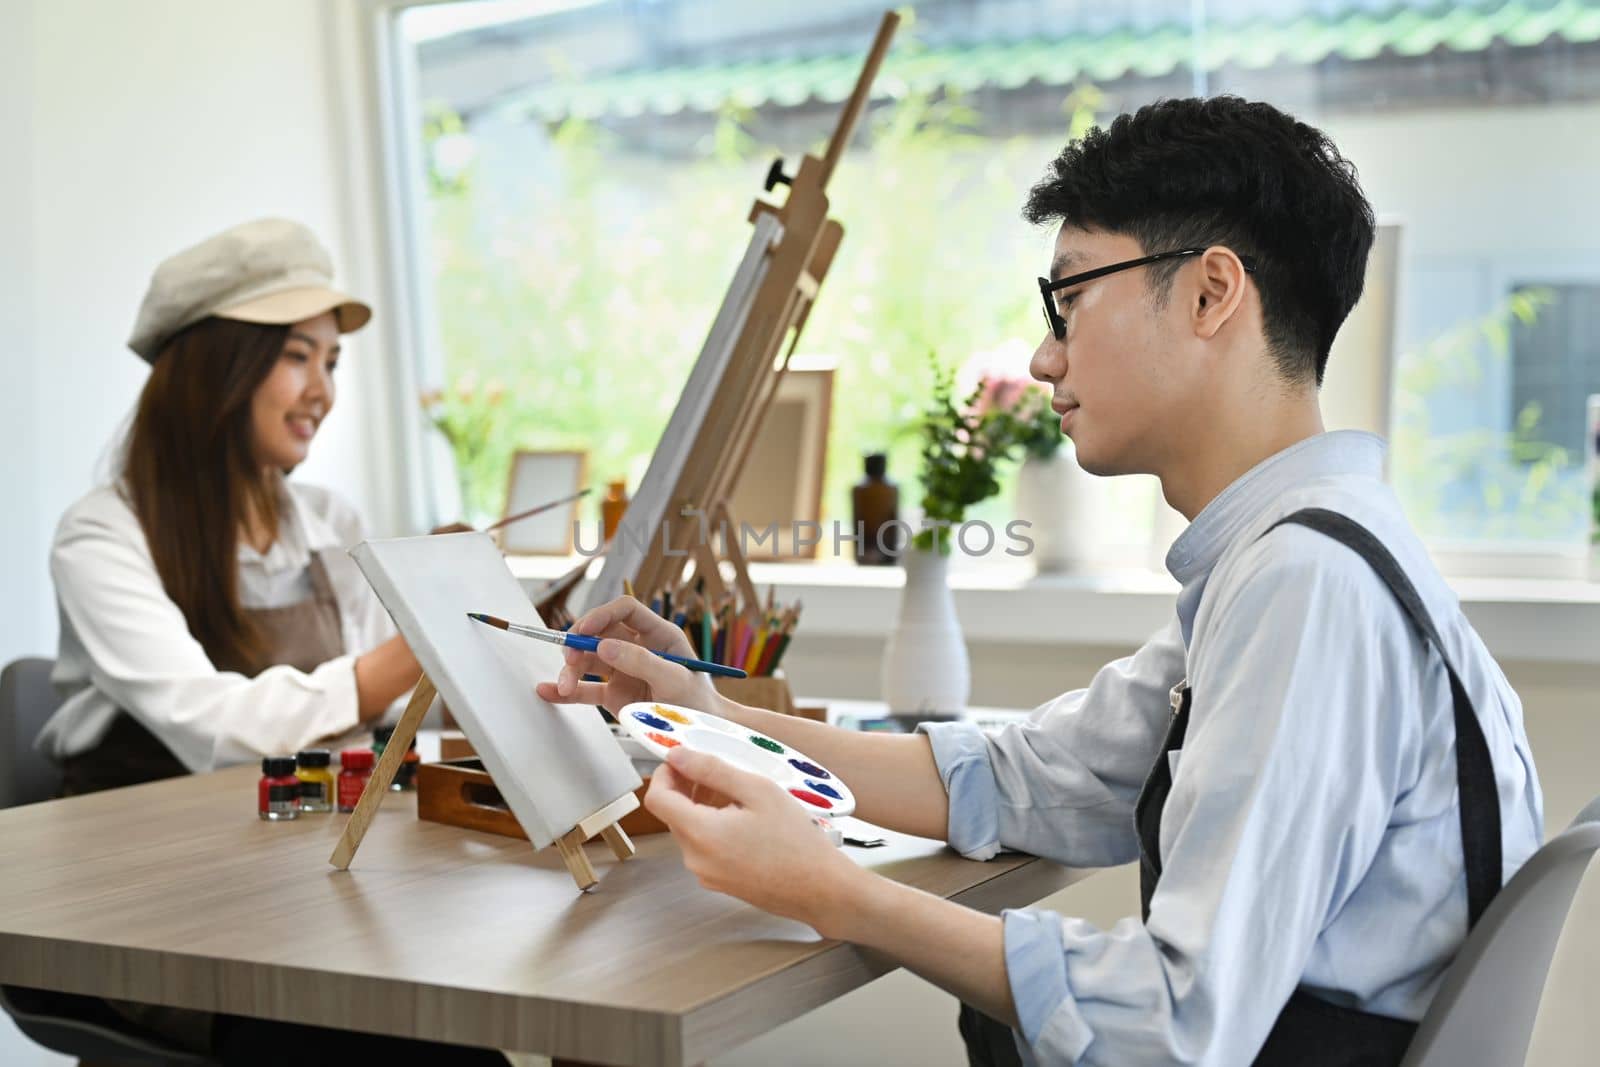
(663, 727)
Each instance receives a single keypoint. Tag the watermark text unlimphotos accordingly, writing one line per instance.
(801, 537)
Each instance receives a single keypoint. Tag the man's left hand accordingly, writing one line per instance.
(742, 834)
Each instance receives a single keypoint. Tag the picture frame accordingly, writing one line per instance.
(788, 461)
(537, 476)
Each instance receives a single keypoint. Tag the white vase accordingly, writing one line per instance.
(1054, 495)
(925, 666)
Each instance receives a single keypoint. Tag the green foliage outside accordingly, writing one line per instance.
(586, 300)
(469, 415)
(581, 276)
(587, 291)
(1482, 484)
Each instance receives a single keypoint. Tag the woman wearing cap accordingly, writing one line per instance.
(209, 614)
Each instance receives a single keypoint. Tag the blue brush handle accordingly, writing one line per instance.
(588, 643)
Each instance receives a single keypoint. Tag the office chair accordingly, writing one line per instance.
(85, 1027)
(1484, 1011)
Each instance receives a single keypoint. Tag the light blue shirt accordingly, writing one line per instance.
(1311, 837)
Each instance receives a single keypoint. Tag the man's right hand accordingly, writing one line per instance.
(894, 776)
(631, 633)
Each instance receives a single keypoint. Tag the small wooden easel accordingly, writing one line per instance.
(603, 823)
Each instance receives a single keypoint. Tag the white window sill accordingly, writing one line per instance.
(1541, 620)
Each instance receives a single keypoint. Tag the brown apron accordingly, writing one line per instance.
(304, 636)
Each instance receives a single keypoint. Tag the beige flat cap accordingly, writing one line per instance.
(270, 271)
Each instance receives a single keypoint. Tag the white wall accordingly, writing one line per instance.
(1475, 182)
(134, 130)
(22, 581)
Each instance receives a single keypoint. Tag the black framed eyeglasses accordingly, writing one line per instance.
(1058, 325)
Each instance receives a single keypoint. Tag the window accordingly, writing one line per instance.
(588, 168)
(1554, 356)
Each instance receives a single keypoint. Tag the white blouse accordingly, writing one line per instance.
(126, 645)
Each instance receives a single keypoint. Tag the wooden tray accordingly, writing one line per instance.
(459, 792)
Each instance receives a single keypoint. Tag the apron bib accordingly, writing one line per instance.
(304, 636)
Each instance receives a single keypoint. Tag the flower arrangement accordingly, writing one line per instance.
(468, 415)
(1038, 426)
(967, 432)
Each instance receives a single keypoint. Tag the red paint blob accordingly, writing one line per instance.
(663, 740)
(812, 799)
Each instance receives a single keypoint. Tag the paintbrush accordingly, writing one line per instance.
(586, 643)
(509, 519)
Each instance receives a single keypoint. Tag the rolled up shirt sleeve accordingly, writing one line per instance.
(962, 755)
(1063, 784)
(143, 657)
(1280, 799)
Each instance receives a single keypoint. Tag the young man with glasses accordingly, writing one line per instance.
(1319, 767)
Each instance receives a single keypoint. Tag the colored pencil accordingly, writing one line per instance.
(754, 656)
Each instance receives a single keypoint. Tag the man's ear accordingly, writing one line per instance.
(1219, 292)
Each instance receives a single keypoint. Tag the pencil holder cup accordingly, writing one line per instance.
(765, 691)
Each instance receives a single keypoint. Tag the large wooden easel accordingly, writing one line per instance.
(797, 262)
(602, 823)
(798, 259)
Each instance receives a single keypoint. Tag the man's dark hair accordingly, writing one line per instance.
(1224, 171)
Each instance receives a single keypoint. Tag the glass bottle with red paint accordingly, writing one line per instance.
(355, 769)
(278, 795)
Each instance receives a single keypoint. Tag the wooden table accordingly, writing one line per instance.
(176, 893)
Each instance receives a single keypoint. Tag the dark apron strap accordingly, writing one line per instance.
(1475, 781)
(1153, 799)
(1309, 1031)
(1479, 796)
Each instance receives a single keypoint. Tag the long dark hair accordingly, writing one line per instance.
(189, 472)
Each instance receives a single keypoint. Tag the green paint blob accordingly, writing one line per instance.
(768, 744)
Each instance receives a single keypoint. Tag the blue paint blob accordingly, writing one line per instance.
(809, 768)
(653, 721)
(825, 790)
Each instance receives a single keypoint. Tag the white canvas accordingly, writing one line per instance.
(554, 764)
